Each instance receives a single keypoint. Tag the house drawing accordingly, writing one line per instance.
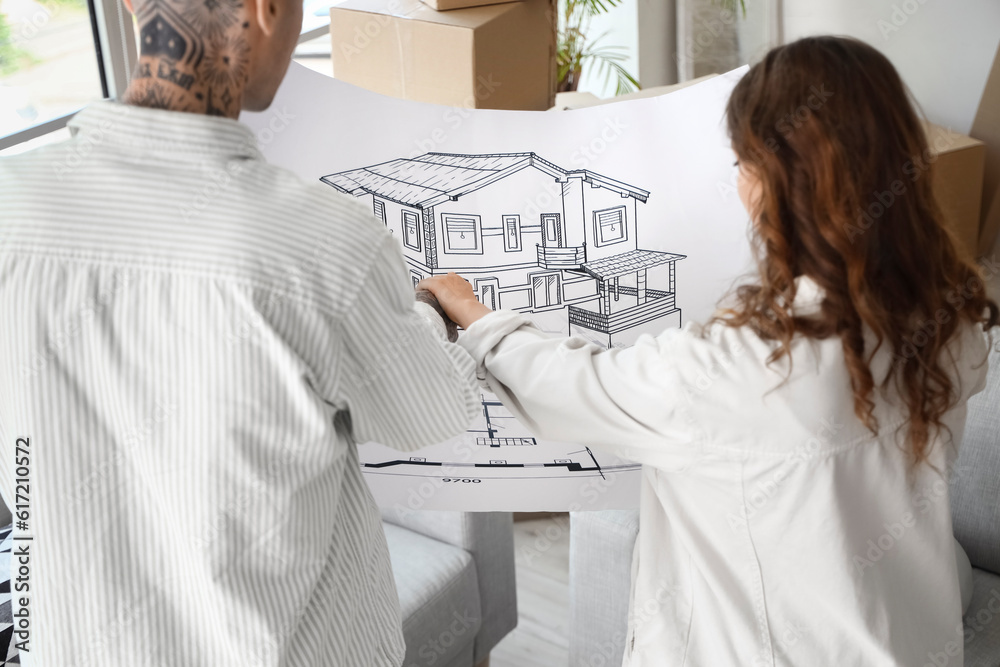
(530, 236)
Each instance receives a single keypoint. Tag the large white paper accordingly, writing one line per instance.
(606, 222)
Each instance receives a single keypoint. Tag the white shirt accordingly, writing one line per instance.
(193, 341)
(774, 528)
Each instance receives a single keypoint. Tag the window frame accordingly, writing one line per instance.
(117, 56)
(416, 229)
(622, 220)
(477, 225)
(506, 219)
(378, 208)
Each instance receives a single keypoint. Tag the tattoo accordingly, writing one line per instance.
(167, 72)
(226, 60)
(155, 97)
(213, 110)
(213, 17)
(194, 56)
(165, 34)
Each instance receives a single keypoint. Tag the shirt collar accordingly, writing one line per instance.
(157, 130)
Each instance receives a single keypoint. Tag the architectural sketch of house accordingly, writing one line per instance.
(530, 236)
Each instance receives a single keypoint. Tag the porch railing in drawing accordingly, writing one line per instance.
(569, 257)
(658, 304)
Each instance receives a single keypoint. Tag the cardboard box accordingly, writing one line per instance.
(442, 5)
(491, 57)
(986, 128)
(957, 181)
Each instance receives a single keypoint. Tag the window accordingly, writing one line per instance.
(57, 56)
(511, 233)
(461, 234)
(546, 290)
(609, 225)
(411, 230)
(488, 289)
(552, 230)
(379, 208)
(49, 66)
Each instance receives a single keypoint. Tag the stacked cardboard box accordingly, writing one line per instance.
(461, 4)
(986, 127)
(498, 56)
(957, 179)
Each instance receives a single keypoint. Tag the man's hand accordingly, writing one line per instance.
(456, 296)
(451, 329)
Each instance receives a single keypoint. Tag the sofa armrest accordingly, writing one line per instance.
(489, 537)
(600, 580)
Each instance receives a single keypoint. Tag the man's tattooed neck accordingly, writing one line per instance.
(193, 56)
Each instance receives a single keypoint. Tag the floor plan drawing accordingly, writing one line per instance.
(498, 453)
(529, 235)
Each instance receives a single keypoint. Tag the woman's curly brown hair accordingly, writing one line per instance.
(826, 126)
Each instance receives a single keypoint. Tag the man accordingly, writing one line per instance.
(193, 343)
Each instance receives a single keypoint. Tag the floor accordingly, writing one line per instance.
(541, 548)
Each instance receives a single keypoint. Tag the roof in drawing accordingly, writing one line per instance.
(434, 178)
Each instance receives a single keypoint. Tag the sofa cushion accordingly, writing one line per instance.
(982, 621)
(438, 596)
(975, 487)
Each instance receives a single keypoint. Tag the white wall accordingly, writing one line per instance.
(942, 48)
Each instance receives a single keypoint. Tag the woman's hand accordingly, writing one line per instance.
(457, 298)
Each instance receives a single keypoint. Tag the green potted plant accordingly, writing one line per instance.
(731, 5)
(576, 49)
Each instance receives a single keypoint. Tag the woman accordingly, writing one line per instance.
(796, 450)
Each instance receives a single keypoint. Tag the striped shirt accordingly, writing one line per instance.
(194, 341)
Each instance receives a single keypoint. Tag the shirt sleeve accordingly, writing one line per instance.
(404, 385)
(629, 401)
